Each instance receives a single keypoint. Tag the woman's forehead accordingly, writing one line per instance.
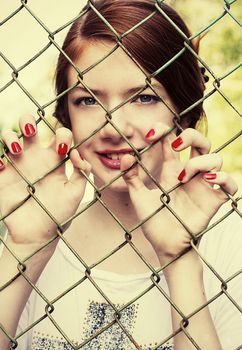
(115, 68)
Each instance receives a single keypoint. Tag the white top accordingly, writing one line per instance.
(83, 311)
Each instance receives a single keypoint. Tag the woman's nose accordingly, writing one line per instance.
(121, 126)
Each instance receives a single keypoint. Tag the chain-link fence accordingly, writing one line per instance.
(117, 312)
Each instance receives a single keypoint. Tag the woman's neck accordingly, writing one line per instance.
(96, 233)
(119, 203)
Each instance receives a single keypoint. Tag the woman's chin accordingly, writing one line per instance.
(118, 185)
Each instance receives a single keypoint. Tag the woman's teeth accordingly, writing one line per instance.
(117, 156)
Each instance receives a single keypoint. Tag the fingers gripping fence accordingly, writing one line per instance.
(165, 193)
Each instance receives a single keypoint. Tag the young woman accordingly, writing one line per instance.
(115, 113)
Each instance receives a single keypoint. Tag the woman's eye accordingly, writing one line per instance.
(147, 99)
(85, 101)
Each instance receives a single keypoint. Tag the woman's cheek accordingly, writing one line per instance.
(147, 116)
(85, 124)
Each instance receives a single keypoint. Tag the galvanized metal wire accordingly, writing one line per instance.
(165, 198)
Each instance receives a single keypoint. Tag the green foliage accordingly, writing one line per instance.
(231, 53)
(221, 49)
(224, 40)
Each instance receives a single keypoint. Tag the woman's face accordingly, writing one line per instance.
(113, 81)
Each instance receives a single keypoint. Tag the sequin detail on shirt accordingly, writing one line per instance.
(99, 315)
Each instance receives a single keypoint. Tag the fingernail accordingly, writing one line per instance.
(150, 133)
(182, 175)
(29, 129)
(16, 148)
(62, 149)
(1, 164)
(210, 176)
(177, 142)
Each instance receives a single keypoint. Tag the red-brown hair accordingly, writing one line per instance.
(152, 44)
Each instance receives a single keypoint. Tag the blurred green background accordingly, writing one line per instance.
(221, 48)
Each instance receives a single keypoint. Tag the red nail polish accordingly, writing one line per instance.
(62, 149)
(150, 133)
(182, 175)
(210, 176)
(1, 164)
(29, 129)
(16, 148)
(176, 143)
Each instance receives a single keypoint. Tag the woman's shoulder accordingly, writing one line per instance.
(221, 243)
(227, 222)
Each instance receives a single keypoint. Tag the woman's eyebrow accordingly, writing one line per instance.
(82, 89)
(128, 92)
(157, 87)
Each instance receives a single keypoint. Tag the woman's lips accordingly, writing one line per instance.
(110, 163)
(112, 158)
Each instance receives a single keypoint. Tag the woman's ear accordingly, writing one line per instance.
(196, 41)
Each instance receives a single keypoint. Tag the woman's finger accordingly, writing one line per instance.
(157, 131)
(192, 138)
(63, 141)
(77, 178)
(131, 177)
(142, 198)
(2, 164)
(170, 159)
(171, 164)
(168, 153)
(154, 134)
(12, 142)
(28, 127)
(222, 179)
(204, 163)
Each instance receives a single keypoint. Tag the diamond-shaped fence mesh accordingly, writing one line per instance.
(109, 320)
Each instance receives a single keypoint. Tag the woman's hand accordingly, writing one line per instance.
(30, 224)
(195, 202)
